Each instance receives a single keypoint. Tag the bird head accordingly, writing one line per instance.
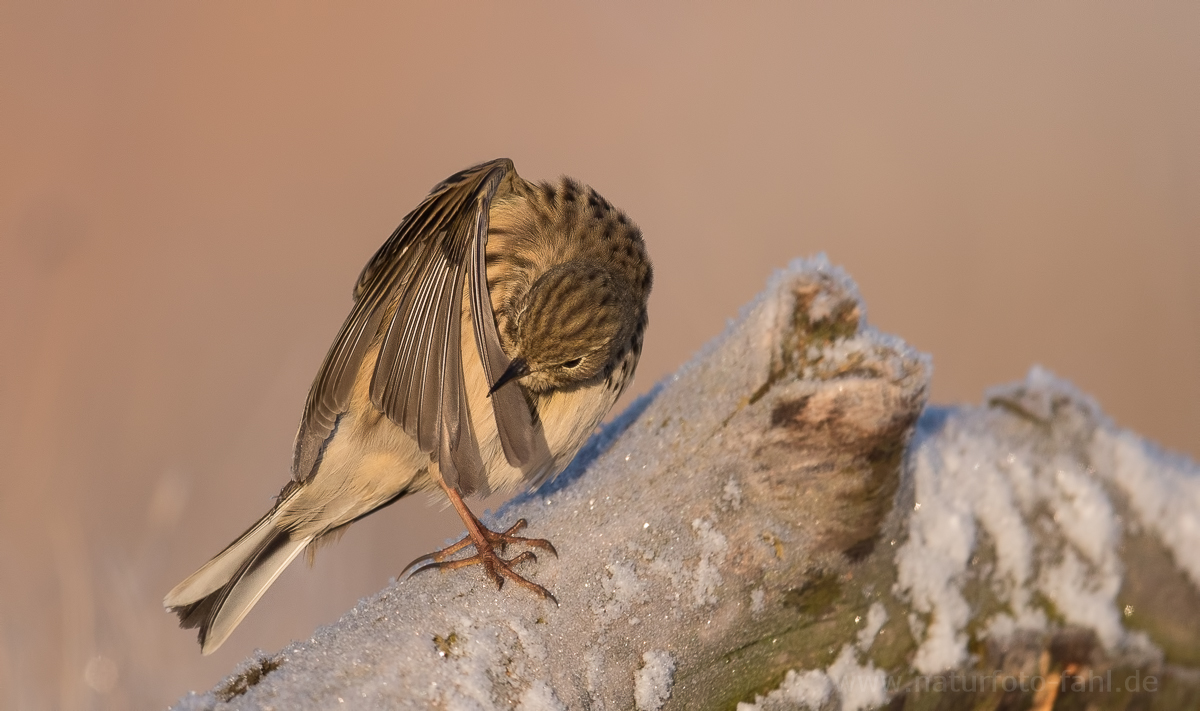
(571, 327)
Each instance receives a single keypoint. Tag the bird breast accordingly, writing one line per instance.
(566, 418)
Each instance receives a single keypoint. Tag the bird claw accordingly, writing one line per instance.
(495, 567)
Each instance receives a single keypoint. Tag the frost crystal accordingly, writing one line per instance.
(652, 683)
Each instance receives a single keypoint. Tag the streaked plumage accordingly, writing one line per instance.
(417, 392)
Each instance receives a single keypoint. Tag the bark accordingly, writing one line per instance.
(784, 523)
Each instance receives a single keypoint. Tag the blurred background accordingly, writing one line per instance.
(188, 191)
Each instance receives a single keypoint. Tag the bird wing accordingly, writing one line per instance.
(418, 376)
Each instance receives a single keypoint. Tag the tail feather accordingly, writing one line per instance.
(216, 573)
(219, 612)
(218, 596)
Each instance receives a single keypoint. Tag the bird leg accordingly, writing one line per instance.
(487, 542)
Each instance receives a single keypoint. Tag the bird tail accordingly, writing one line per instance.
(217, 597)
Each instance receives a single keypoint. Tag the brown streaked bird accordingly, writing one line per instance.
(489, 336)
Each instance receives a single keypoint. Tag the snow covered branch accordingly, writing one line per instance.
(782, 524)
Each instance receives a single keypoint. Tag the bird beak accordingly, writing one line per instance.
(517, 369)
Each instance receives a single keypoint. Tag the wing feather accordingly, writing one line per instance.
(405, 386)
(417, 379)
(514, 420)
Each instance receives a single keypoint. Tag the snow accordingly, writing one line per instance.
(1050, 522)
(807, 690)
(540, 697)
(732, 494)
(941, 537)
(859, 686)
(712, 555)
(1163, 489)
(854, 686)
(652, 683)
(758, 598)
(877, 617)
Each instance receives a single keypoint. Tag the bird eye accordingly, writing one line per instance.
(573, 363)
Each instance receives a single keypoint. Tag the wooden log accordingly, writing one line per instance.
(765, 529)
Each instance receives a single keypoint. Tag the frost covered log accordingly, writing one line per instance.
(782, 524)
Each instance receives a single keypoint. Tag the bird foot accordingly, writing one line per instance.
(487, 542)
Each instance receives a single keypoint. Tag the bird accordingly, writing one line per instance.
(489, 336)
